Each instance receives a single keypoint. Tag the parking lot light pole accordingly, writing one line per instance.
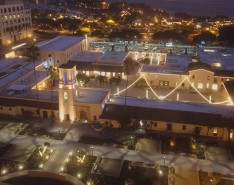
(164, 160)
(92, 150)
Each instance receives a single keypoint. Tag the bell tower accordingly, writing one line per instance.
(66, 92)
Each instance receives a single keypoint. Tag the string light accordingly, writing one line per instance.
(160, 97)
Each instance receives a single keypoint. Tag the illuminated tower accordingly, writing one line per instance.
(66, 92)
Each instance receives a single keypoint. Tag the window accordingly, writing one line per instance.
(65, 96)
(193, 77)
(231, 135)
(9, 109)
(169, 127)
(208, 77)
(184, 127)
(215, 87)
(57, 61)
(164, 83)
(200, 85)
(0, 108)
(49, 55)
(215, 131)
(207, 85)
(215, 80)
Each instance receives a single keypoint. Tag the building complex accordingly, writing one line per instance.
(212, 71)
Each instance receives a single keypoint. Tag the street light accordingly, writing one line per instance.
(59, 130)
(164, 160)
(92, 150)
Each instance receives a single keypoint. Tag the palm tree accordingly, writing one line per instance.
(128, 66)
(53, 75)
(101, 79)
(33, 53)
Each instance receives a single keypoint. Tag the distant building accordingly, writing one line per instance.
(61, 49)
(15, 21)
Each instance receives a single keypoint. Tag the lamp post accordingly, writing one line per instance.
(59, 130)
(164, 160)
(92, 150)
(131, 141)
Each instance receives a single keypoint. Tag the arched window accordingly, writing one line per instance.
(65, 95)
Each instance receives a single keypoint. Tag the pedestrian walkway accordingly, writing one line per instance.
(62, 149)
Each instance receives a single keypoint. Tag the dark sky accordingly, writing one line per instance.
(195, 7)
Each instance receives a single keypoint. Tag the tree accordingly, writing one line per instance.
(101, 79)
(204, 36)
(226, 35)
(53, 76)
(97, 33)
(167, 35)
(82, 79)
(128, 67)
(115, 80)
(33, 53)
(145, 61)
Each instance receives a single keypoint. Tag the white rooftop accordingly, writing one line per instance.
(214, 56)
(113, 57)
(178, 60)
(87, 56)
(60, 43)
(175, 105)
(90, 95)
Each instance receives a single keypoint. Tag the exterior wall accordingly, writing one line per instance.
(172, 79)
(56, 58)
(214, 132)
(203, 80)
(15, 23)
(7, 110)
(66, 94)
(19, 111)
(155, 58)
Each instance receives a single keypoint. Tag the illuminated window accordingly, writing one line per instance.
(215, 132)
(200, 85)
(215, 87)
(65, 95)
(207, 85)
(231, 135)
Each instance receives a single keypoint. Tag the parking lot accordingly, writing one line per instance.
(135, 46)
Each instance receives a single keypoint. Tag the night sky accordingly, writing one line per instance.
(194, 7)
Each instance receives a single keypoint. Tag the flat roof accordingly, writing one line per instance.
(178, 60)
(92, 95)
(162, 69)
(87, 56)
(113, 57)
(13, 69)
(60, 43)
(175, 105)
(223, 56)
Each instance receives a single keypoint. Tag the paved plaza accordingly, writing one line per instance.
(63, 147)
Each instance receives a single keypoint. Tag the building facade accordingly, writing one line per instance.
(15, 22)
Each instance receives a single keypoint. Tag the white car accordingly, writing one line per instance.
(169, 44)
